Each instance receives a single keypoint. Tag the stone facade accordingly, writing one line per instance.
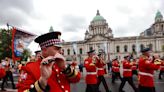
(100, 37)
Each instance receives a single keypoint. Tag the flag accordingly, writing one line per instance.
(20, 41)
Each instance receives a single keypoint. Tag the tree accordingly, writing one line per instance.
(26, 53)
(5, 44)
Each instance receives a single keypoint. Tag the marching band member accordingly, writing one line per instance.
(115, 70)
(127, 74)
(101, 71)
(134, 67)
(161, 68)
(91, 73)
(146, 70)
(50, 72)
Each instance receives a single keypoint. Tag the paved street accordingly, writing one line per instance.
(80, 87)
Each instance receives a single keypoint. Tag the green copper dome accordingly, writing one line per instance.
(98, 17)
(158, 15)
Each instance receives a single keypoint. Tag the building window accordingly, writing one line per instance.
(90, 48)
(68, 51)
(162, 28)
(62, 51)
(81, 51)
(141, 47)
(125, 48)
(162, 47)
(150, 46)
(133, 48)
(117, 48)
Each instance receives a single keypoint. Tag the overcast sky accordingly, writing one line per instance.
(124, 17)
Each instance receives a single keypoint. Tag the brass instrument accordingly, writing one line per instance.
(94, 59)
(157, 61)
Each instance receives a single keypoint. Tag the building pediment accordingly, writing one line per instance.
(97, 38)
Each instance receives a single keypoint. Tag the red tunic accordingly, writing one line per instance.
(58, 81)
(115, 66)
(146, 71)
(22, 78)
(91, 76)
(127, 71)
(100, 67)
(2, 71)
(134, 65)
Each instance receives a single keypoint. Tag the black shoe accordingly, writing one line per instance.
(3, 89)
(109, 91)
(122, 91)
(14, 87)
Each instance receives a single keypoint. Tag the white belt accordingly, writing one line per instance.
(127, 70)
(146, 74)
(100, 68)
(116, 67)
(91, 73)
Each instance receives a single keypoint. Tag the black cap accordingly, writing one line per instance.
(99, 54)
(145, 50)
(49, 39)
(91, 51)
(126, 56)
(37, 51)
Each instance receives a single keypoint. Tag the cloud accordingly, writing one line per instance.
(133, 19)
(16, 12)
(72, 23)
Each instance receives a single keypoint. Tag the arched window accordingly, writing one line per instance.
(68, 51)
(162, 28)
(150, 46)
(90, 48)
(141, 47)
(117, 48)
(125, 48)
(81, 51)
(133, 48)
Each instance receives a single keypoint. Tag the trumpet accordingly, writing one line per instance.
(157, 61)
(94, 59)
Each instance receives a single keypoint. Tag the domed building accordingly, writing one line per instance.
(99, 37)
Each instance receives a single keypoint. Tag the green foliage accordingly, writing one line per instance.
(5, 43)
(6, 48)
(25, 55)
